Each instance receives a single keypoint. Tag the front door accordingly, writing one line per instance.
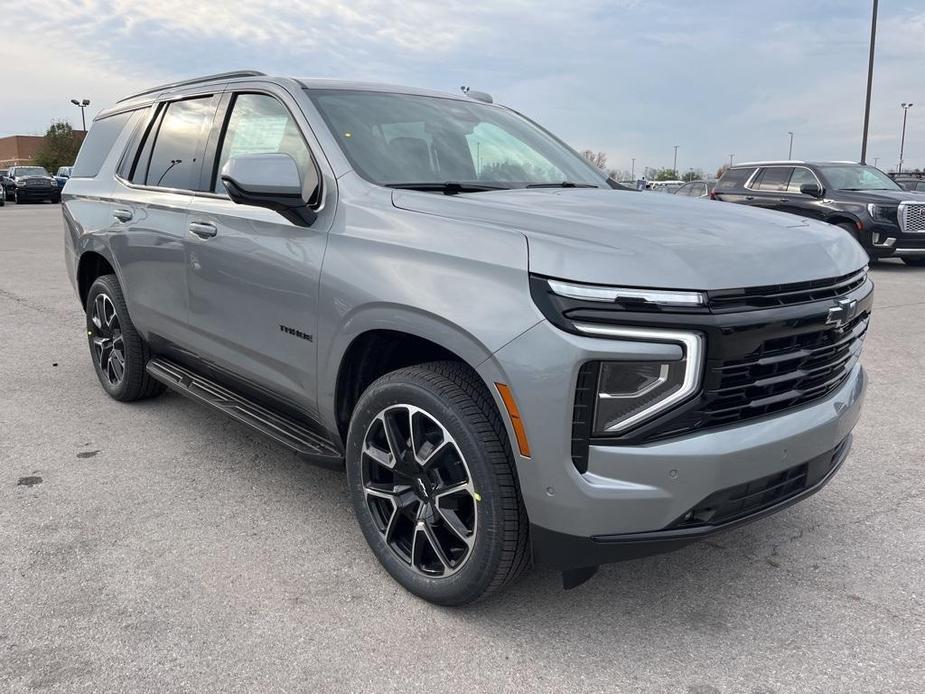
(252, 275)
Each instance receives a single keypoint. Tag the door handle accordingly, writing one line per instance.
(749, 197)
(204, 230)
(782, 200)
(122, 214)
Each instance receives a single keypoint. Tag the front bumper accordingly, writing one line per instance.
(631, 494)
(38, 193)
(888, 241)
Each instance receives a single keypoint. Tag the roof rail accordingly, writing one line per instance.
(196, 80)
(769, 161)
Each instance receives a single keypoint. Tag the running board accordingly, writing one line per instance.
(282, 429)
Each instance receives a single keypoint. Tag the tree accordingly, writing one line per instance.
(692, 175)
(59, 147)
(721, 170)
(665, 175)
(598, 159)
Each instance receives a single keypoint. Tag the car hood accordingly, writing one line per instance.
(645, 240)
(885, 197)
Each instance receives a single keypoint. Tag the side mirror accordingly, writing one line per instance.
(271, 181)
(811, 189)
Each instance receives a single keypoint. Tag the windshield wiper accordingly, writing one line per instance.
(563, 184)
(447, 188)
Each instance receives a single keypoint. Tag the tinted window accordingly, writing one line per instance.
(798, 178)
(774, 179)
(734, 178)
(855, 177)
(99, 141)
(178, 141)
(259, 124)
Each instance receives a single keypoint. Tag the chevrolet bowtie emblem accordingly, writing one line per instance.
(842, 312)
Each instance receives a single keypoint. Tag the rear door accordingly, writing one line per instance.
(151, 200)
(252, 275)
(731, 187)
(768, 186)
(795, 202)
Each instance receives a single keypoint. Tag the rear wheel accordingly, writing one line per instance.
(433, 485)
(119, 353)
(915, 262)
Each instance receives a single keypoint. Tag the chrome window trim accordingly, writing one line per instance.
(694, 352)
(748, 183)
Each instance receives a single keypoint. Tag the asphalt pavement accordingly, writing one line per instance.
(159, 546)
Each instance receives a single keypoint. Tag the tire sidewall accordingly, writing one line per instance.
(476, 574)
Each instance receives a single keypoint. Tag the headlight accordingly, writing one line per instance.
(20, 184)
(883, 213)
(659, 297)
(631, 392)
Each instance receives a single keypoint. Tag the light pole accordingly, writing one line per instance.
(790, 151)
(675, 167)
(876, 159)
(730, 160)
(902, 141)
(82, 105)
(870, 80)
(633, 169)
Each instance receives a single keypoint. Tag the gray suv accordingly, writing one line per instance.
(515, 361)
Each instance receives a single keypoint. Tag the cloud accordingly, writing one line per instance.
(627, 77)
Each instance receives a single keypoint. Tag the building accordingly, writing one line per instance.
(21, 149)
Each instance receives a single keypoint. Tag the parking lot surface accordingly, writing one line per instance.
(162, 547)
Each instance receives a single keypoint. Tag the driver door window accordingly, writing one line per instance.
(260, 124)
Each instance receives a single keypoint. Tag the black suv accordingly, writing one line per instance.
(32, 183)
(885, 219)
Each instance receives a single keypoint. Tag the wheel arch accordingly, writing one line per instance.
(91, 265)
(390, 338)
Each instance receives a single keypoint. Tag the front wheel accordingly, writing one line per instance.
(433, 486)
(915, 262)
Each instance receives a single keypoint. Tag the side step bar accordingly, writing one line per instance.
(282, 429)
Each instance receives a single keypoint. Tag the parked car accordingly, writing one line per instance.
(31, 183)
(665, 186)
(696, 189)
(7, 184)
(885, 219)
(64, 173)
(914, 183)
(513, 360)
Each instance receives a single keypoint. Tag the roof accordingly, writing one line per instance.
(144, 96)
(785, 162)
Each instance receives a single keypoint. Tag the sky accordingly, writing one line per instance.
(632, 78)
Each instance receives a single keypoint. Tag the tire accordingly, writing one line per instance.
(914, 262)
(481, 528)
(118, 352)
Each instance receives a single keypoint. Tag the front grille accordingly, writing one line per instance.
(727, 300)
(912, 217)
(783, 372)
(743, 500)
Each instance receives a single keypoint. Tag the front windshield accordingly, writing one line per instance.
(31, 171)
(403, 139)
(853, 177)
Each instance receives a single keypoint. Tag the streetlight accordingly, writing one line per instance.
(82, 105)
(870, 80)
(902, 142)
(790, 151)
(730, 160)
(876, 159)
(675, 167)
(633, 169)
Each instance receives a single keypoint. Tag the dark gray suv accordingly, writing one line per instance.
(514, 361)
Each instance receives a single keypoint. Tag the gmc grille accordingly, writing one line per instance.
(912, 217)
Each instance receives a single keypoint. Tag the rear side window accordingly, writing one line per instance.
(774, 179)
(172, 154)
(99, 141)
(734, 178)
